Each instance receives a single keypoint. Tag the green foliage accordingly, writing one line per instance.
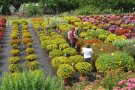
(14, 68)
(65, 71)
(54, 21)
(123, 42)
(70, 51)
(30, 50)
(33, 80)
(106, 62)
(57, 61)
(75, 59)
(31, 57)
(52, 47)
(33, 65)
(55, 53)
(14, 60)
(14, 51)
(63, 46)
(130, 49)
(83, 67)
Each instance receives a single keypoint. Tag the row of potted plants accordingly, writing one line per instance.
(2, 27)
(28, 43)
(64, 57)
(15, 51)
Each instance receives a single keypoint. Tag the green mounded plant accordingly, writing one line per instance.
(14, 60)
(32, 80)
(70, 51)
(83, 67)
(123, 42)
(30, 50)
(26, 35)
(29, 44)
(14, 52)
(65, 71)
(52, 47)
(129, 49)
(34, 65)
(15, 46)
(63, 46)
(59, 40)
(57, 61)
(14, 68)
(46, 42)
(75, 59)
(14, 35)
(55, 53)
(31, 57)
(106, 62)
(42, 38)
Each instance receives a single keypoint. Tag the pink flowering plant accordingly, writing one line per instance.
(126, 84)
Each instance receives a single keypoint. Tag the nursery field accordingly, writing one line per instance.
(36, 54)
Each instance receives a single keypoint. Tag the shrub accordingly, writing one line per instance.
(63, 46)
(65, 71)
(14, 68)
(130, 49)
(46, 42)
(55, 53)
(83, 67)
(123, 42)
(33, 80)
(14, 51)
(14, 60)
(75, 59)
(30, 50)
(33, 65)
(27, 40)
(57, 61)
(70, 51)
(52, 47)
(106, 62)
(31, 57)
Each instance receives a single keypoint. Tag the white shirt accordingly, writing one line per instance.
(87, 52)
(68, 34)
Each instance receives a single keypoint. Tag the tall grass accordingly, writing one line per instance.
(34, 80)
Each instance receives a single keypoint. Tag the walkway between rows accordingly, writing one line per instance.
(4, 51)
(43, 57)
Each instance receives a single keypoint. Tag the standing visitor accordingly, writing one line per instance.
(87, 53)
(72, 39)
(68, 37)
(76, 34)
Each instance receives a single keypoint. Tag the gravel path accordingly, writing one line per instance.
(4, 51)
(42, 54)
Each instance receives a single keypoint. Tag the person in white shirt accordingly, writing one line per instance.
(87, 53)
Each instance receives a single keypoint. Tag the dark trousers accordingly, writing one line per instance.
(87, 60)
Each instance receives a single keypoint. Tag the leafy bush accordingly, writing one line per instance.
(123, 42)
(14, 51)
(33, 80)
(63, 46)
(129, 49)
(57, 61)
(75, 59)
(55, 53)
(65, 71)
(46, 42)
(31, 57)
(14, 60)
(30, 50)
(52, 47)
(14, 68)
(33, 65)
(70, 51)
(106, 62)
(83, 67)
(54, 21)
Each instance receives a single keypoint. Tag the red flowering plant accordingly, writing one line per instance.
(126, 84)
